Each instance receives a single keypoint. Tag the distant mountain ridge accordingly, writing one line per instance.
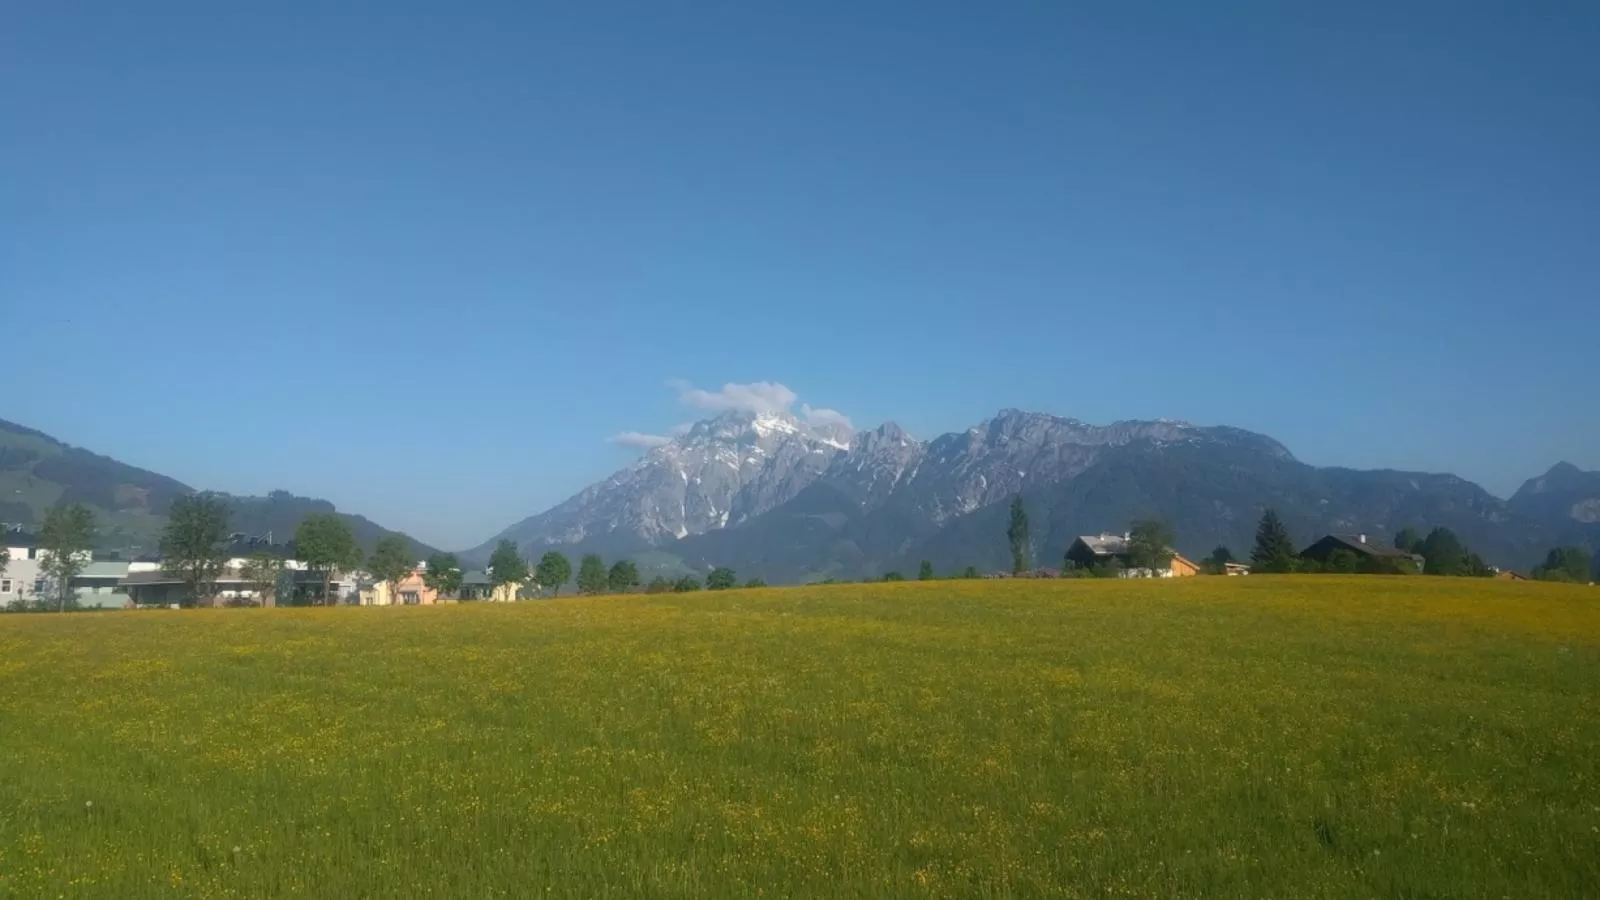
(782, 499)
(773, 499)
(130, 504)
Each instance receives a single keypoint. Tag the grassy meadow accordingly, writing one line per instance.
(1206, 737)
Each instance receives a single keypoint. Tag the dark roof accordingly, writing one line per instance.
(475, 577)
(240, 544)
(1105, 544)
(140, 578)
(16, 537)
(1109, 545)
(1354, 543)
(135, 579)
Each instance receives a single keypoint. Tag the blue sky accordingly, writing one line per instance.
(423, 259)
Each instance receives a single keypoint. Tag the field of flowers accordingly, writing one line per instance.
(1208, 737)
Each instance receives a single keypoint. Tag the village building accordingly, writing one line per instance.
(1370, 553)
(1093, 550)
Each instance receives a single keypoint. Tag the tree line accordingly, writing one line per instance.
(194, 546)
(507, 568)
(1441, 552)
(1149, 547)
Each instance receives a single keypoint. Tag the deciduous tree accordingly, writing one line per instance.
(392, 562)
(506, 566)
(325, 543)
(1343, 562)
(592, 574)
(623, 577)
(1409, 540)
(64, 541)
(552, 572)
(685, 585)
(442, 575)
(260, 574)
(194, 545)
(720, 579)
(925, 571)
(1444, 553)
(658, 585)
(1217, 562)
(1150, 546)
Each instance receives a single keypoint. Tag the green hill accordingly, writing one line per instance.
(130, 504)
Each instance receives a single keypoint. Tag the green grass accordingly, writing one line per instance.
(1259, 737)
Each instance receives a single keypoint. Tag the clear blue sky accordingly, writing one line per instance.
(423, 259)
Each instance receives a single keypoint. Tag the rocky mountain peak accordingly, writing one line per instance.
(742, 464)
(884, 436)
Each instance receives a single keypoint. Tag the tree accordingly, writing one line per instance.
(592, 574)
(623, 577)
(720, 579)
(194, 544)
(755, 583)
(392, 562)
(1111, 568)
(925, 571)
(325, 543)
(1565, 564)
(442, 574)
(1409, 540)
(1444, 553)
(1150, 546)
(506, 566)
(1343, 562)
(685, 585)
(1274, 550)
(552, 572)
(1217, 562)
(658, 585)
(260, 574)
(1017, 534)
(64, 542)
(20, 604)
(970, 572)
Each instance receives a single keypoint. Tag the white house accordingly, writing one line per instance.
(24, 578)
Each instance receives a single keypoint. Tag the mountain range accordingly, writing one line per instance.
(777, 498)
(782, 499)
(130, 504)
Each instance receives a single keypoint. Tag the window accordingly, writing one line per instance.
(5, 585)
(409, 598)
(38, 586)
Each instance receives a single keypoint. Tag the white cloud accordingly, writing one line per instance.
(756, 397)
(820, 416)
(638, 440)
